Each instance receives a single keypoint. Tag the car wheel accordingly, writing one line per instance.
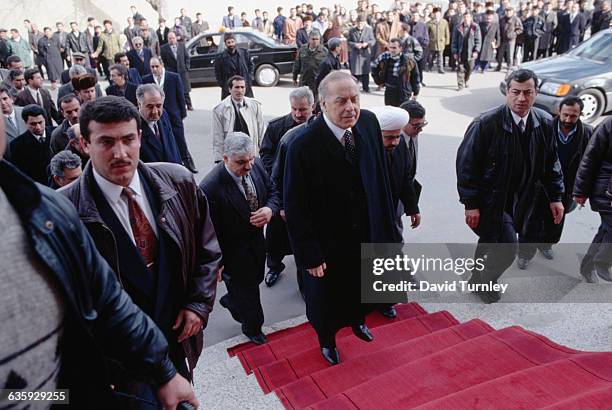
(266, 75)
(593, 105)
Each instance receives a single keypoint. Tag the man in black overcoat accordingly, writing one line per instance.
(176, 59)
(505, 154)
(302, 106)
(233, 61)
(337, 195)
(242, 201)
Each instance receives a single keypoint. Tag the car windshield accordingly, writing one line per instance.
(599, 49)
(263, 39)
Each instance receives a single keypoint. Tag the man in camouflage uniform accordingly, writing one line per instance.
(306, 65)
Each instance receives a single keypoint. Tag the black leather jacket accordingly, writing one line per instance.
(101, 319)
(485, 160)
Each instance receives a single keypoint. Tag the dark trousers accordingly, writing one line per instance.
(105, 64)
(395, 95)
(543, 53)
(277, 244)
(181, 141)
(436, 58)
(65, 58)
(531, 48)
(245, 303)
(599, 254)
(364, 79)
(481, 65)
(500, 251)
(464, 71)
(542, 232)
(506, 51)
(421, 64)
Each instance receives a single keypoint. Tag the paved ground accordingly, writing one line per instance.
(221, 382)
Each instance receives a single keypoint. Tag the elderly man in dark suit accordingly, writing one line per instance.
(337, 195)
(174, 105)
(140, 57)
(571, 26)
(302, 106)
(70, 107)
(176, 59)
(30, 151)
(35, 94)
(13, 123)
(151, 223)
(242, 201)
(158, 143)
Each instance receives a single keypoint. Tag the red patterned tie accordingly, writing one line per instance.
(142, 229)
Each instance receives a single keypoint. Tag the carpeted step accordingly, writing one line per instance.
(291, 368)
(333, 380)
(459, 367)
(293, 340)
(582, 381)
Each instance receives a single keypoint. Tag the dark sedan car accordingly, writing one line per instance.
(585, 71)
(270, 59)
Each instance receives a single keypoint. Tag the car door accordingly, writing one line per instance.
(203, 51)
(248, 42)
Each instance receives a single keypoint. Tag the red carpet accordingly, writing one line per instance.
(429, 361)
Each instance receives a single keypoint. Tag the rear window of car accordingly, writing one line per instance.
(598, 49)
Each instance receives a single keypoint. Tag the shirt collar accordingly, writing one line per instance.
(518, 119)
(565, 138)
(236, 178)
(112, 192)
(239, 104)
(38, 137)
(337, 131)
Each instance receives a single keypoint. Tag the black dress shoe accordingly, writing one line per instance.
(272, 277)
(223, 301)
(331, 355)
(548, 254)
(258, 339)
(388, 311)
(363, 332)
(522, 263)
(603, 271)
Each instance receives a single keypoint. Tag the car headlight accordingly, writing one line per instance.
(558, 89)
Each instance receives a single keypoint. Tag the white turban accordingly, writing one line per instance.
(391, 118)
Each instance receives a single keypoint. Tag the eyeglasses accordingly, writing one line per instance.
(419, 126)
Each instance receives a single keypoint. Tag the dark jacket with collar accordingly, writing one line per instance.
(184, 217)
(25, 98)
(59, 138)
(32, 157)
(134, 76)
(404, 186)
(485, 162)
(129, 93)
(224, 69)
(77, 44)
(154, 150)
(594, 178)
(101, 319)
(329, 64)
(243, 245)
(474, 40)
(275, 131)
(579, 143)
(174, 103)
(141, 65)
(179, 64)
(65, 76)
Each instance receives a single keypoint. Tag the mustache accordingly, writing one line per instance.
(119, 163)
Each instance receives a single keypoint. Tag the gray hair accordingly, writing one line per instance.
(140, 39)
(75, 70)
(302, 92)
(333, 43)
(62, 160)
(121, 70)
(149, 89)
(334, 77)
(238, 143)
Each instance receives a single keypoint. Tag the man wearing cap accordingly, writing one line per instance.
(306, 65)
(85, 87)
(80, 59)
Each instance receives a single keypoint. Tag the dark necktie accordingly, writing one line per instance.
(10, 121)
(251, 197)
(349, 145)
(144, 236)
(38, 100)
(42, 140)
(156, 131)
(521, 126)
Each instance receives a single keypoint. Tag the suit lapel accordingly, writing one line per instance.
(151, 140)
(235, 197)
(260, 188)
(331, 142)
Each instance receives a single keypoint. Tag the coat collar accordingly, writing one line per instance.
(507, 119)
(86, 204)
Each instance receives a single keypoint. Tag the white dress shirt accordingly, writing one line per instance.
(337, 131)
(161, 81)
(518, 119)
(119, 203)
(12, 117)
(34, 93)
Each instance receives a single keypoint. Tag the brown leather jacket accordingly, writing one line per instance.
(184, 216)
